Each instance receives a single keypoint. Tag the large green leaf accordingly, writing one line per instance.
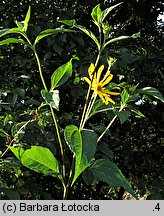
(52, 98)
(37, 158)
(83, 145)
(13, 40)
(89, 33)
(96, 14)
(121, 38)
(89, 141)
(107, 171)
(26, 21)
(49, 32)
(152, 92)
(61, 75)
(107, 11)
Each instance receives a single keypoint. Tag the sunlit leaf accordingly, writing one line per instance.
(61, 75)
(37, 158)
(49, 32)
(68, 22)
(13, 40)
(121, 38)
(52, 98)
(152, 92)
(89, 33)
(26, 21)
(107, 11)
(96, 14)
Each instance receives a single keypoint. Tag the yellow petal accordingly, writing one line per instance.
(87, 80)
(107, 79)
(112, 93)
(101, 68)
(91, 69)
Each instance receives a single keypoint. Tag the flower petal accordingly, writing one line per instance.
(107, 78)
(91, 69)
(101, 68)
(87, 80)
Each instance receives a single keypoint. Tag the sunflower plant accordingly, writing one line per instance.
(102, 95)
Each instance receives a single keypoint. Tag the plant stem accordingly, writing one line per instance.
(88, 93)
(66, 188)
(52, 113)
(110, 123)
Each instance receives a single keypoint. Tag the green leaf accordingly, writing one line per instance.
(26, 21)
(68, 22)
(124, 96)
(61, 75)
(107, 11)
(123, 115)
(99, 106)
(107, 171)
(7, 119)
(9, 31)
(37, 158)
(49, 32)
(136, 111)
(74, 140)
(121, 38)
(152, 92)
(19, 24)
(52, 98)
(96, 14)
(89, 33)
(83, 145)
(89, 141)
(13, 40)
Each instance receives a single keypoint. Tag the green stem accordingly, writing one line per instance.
(110, 123)
(67, 187)
(52, 112)
(88, 93)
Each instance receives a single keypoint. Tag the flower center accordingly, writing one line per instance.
(99, 88)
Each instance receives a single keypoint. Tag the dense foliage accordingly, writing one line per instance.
(136, 146)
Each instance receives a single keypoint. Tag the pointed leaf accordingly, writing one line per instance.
(89, 33)
(107, 11)
(49, 32)
(68, 22)
(52, 98)
(121, 38)
(73, 139)
(123, 115)
(107, 171)
(13, 40)
(37, 158)
(96, 14)
(152, 92)
(61, 75)
(9, 31)
(20, 25)
(89, 141)
(27, 19)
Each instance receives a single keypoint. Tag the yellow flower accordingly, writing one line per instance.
(98, 86)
